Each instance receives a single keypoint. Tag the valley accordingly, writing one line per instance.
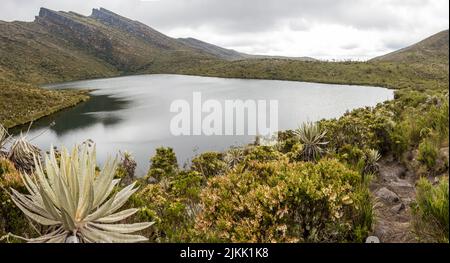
(378, 168)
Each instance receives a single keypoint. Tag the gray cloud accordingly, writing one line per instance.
(329, 28)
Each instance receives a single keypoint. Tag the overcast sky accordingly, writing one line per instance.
(325, 29)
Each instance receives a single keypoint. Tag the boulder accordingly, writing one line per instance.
(387, 196)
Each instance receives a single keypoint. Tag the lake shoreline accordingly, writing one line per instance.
(80, 96)
(118, 106)
(86, 92)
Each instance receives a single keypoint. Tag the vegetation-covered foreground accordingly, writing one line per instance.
(312, 185)
(315, 184)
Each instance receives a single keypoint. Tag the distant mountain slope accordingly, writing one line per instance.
(30, 53)
(434, 48)
(223, 53)
(61, 46)
(230, 54)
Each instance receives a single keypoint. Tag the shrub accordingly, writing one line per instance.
(431, 211)
(172, 207)
(401, 136)
(12, 220)
(209, 164)
(187, 185)
(286, 141)
(351, 154)
(164, 164)
(362, 128)
(278, 201)
(262, 154)
(428, 153)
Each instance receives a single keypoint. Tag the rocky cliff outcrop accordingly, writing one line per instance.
(68, 26)
(135, 28)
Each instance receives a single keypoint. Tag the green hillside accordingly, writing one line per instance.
(21, 103)
(65, 46)
(433, 49)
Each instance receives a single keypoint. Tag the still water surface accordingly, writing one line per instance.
(133, 113)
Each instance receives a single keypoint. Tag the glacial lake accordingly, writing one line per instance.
(133, 113)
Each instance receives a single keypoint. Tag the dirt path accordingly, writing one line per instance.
(393, 191)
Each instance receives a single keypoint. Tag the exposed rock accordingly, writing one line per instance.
(398, 208)
(136, 28)
(401, 184)
(387, 195)
(392, 172)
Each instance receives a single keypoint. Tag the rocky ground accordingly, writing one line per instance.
(394, 192)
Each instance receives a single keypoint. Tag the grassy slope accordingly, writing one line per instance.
(434, 47)
(31, 54)
(39, 102)
(386, 74)
(421, 66)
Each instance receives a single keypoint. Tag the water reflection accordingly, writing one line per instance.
(133, 113)
(98, 109)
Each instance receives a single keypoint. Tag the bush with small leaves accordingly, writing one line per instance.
(262, 154)
(171, 206)
(278, 201)
(428, 153)
(209, 164)
(164, 164)
(12, 220)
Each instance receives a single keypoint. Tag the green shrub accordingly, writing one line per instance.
(431, 211)
(286, 141)
(278, 201)
(362, 128)
(209, 164)
(262, 154)
(428, 153)
(172, 205)
(350, 154)
(164, 164)
(401, 137)
(187, 185)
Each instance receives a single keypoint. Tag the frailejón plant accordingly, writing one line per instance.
(312, 140)
(76, 201)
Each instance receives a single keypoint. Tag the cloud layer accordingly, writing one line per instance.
(340, 29)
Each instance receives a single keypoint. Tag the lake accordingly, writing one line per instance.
(133, 113)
